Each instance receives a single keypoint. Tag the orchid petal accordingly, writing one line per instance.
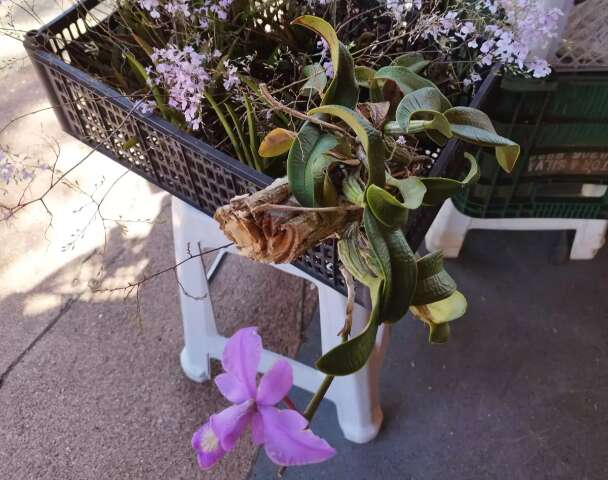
(207, 447)
(231, 388)
(275, 383)
(289, 442)
(257, 428)
(230, 423)
(241, 357)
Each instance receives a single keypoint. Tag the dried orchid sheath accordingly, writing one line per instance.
(280, 235)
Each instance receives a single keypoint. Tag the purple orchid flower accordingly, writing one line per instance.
(284, 433)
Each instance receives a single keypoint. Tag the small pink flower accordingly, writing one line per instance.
(285, 434)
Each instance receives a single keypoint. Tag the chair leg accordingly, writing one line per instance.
(357, 396)
(448, 231)
(590, 237)
(195, 302)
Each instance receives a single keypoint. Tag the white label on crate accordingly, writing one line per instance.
(568, 163)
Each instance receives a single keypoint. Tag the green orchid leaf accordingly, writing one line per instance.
(385, 207)
(434, 283)
(370, 138)
(316, 79)
(364, 75)
(449, 309)
(342, 89)
(474, 126)
(412, 190)
(437, 123)
(391, 278)
(439, 333)
(366, 78)
(307, 162)
(406, 79)
(425, 99)
(277, 142)
(421, 110)
(428, 100)
(299, 155)
(437, 315)
(438, 189)
(397, 265)
(350, 252)
(414, 61)
(328, 195)
(352, 189)
(316, 180)
(436, 136)
(351, 356)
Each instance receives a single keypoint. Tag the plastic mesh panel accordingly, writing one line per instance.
(585, 42)
(175, 161)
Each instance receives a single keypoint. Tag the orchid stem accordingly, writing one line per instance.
(315, 401)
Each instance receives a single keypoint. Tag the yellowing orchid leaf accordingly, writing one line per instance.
(277, 142)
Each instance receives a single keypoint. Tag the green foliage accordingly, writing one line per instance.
(376, 251)
(426, 109)
(142, 75)
(316, 79)
(439, 189)
(342, 89)
(370, 138)
(414, 61)
(437, 315)
(434, 283)
(474, 126)
(407, 80)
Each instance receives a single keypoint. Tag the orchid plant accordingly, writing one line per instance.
(329, 167)
(352, 153)
(346, 124)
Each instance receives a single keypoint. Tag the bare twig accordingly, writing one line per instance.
(134, 286)
(275, 104)
(295, 208)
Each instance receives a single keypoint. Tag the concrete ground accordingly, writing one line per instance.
(520, 392)
(89, 387)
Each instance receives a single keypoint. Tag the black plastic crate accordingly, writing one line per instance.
(562, 127)
(177, 162)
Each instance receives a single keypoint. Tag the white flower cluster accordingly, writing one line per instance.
(494, 31)
(184, 75)
(203, 9)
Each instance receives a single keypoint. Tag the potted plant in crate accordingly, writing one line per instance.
(348, 122)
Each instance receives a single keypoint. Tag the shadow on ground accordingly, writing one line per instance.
(519, 393)
(88, 392)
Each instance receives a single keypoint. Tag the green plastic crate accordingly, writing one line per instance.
(562, 127)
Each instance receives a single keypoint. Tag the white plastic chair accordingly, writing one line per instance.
(449, 230)
(356, 396)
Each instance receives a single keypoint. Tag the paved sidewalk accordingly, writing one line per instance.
(520, 392)
(87, 389)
